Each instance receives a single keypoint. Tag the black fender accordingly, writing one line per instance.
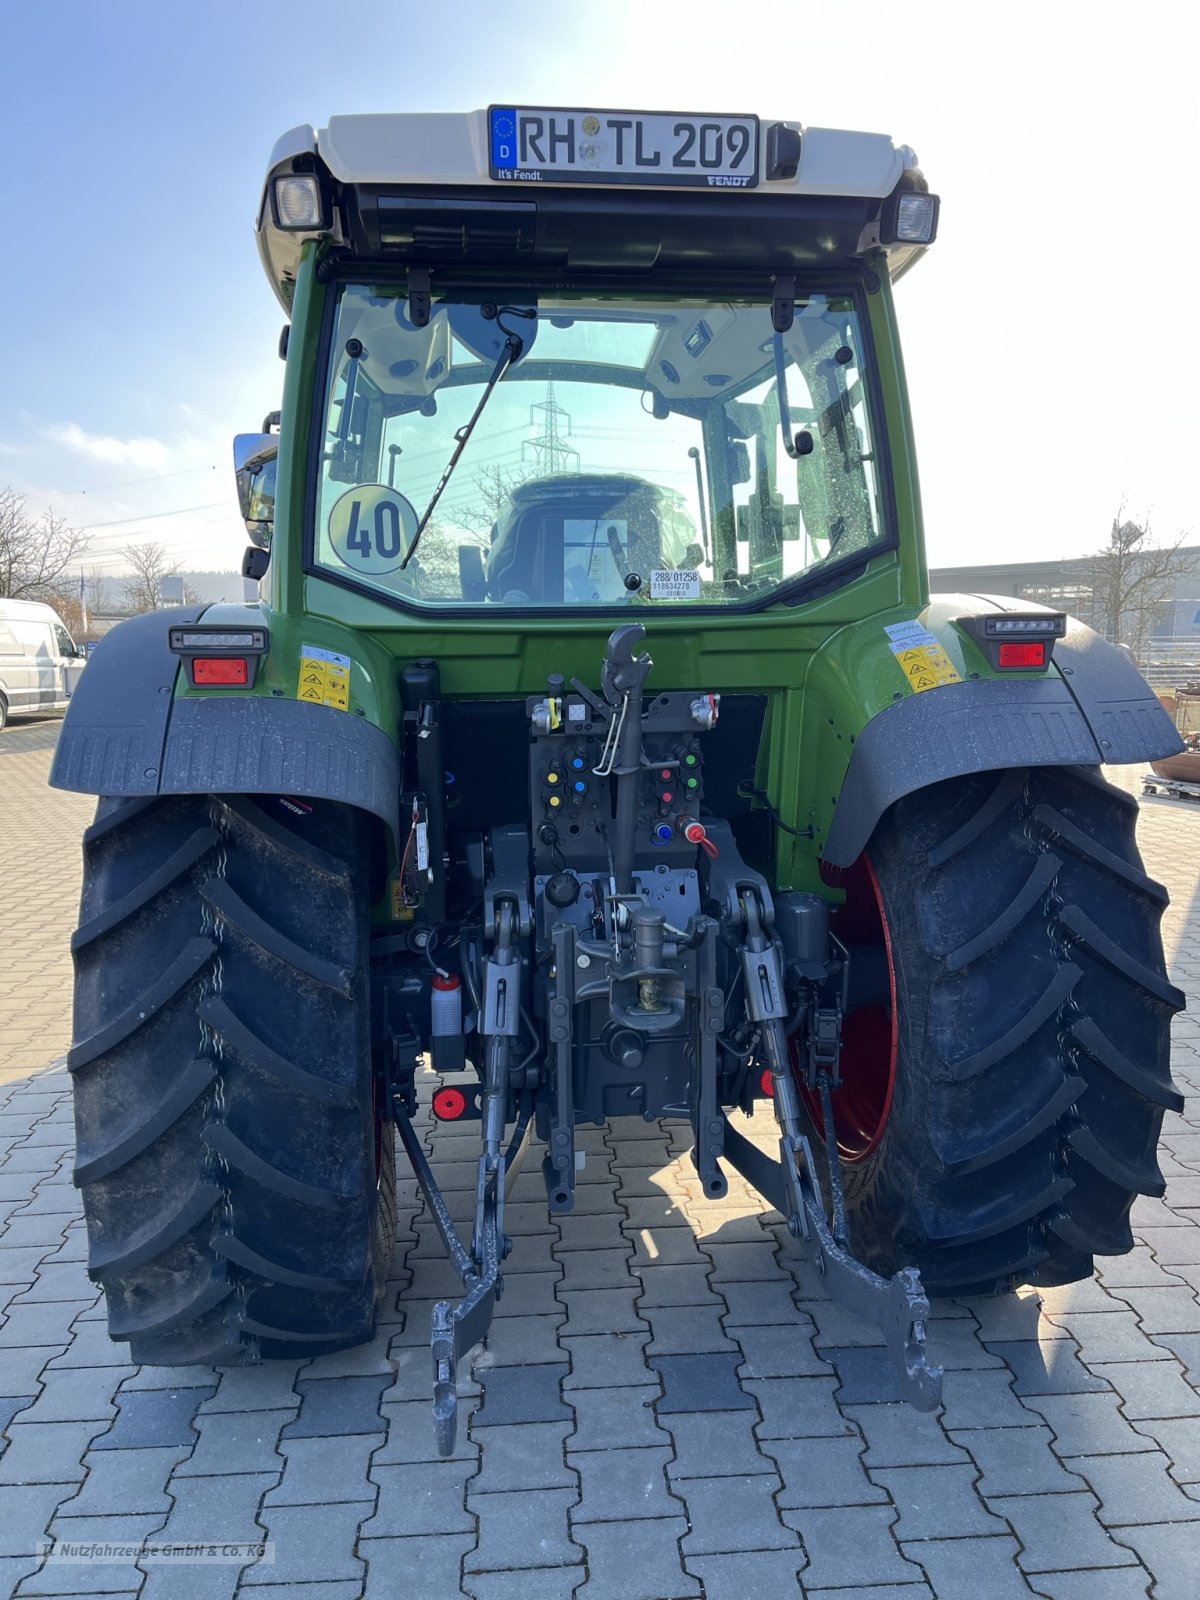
(1096, 708)
(126, 733)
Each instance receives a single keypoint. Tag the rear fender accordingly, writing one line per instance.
(1092, 706)
(134, 727)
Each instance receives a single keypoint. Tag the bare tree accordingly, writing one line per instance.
(35, 552)
(1130, 578)
(493, 487)
(144, 588)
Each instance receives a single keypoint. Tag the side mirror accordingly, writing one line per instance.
(254, 459)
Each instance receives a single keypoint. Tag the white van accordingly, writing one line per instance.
(40, 663)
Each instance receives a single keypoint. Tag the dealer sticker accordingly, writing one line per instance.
(922, 658)
(324, 678)
(667, 584)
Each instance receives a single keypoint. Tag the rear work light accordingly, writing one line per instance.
(909, 217)
(1016, 641)
(298, 202)
(219, 657)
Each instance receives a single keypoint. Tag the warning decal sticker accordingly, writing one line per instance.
(922, 659)
(324, 678)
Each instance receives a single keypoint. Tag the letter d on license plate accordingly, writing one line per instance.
(540, 144)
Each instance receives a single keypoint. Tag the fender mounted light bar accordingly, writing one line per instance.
(219, 657)
(1016, 641)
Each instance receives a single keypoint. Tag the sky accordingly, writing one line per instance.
(1050, 338)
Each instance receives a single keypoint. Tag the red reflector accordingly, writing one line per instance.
(1030, 654)
(449, 1104)
(766, 1083)
(220, 669)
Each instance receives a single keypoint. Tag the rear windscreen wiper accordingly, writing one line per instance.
(514, 346)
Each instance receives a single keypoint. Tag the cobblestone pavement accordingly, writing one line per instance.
(669, 1406)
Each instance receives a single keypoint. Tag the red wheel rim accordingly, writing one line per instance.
(869, 1035)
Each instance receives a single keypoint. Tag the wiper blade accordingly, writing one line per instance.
(514, 345)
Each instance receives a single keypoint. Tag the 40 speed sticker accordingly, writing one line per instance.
(371, 529)
(922, 659)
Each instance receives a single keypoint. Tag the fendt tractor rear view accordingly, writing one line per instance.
(597, 739)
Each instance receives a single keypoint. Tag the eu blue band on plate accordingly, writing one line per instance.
(504, 136)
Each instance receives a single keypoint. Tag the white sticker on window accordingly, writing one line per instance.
(666, 584)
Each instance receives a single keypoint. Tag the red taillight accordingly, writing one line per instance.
(226, 670)
(766, 1083)
(449, 1104)
(1030, 654)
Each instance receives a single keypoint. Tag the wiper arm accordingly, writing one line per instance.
(514, 345)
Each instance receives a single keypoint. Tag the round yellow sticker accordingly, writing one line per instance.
(371, 528)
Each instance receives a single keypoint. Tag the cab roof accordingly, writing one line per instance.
(423, 188)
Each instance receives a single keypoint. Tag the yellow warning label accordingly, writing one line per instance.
(922, 658)
(324, 678)
(927, 666)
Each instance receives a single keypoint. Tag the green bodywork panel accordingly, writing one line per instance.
(826, 665)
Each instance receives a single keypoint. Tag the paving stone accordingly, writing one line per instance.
(687, 1330)
(1150, 1389)
(666, 1247)
(1133, 1489)
(45, 1232)
(126, 1482)
(849, 1546)
(57, 1280)
(235, 1442)
(746, 1263)
(674, 1285)
(608, 1418)
(866, 1375)
(153, 1417)
(25, 1513)
(519, 1530)
(348, 1589)
(46, 1452)
(311, 1545)
(1111, 1336)
(700, 1383)
(607, 1360)
(1173, 1246)
(523, 1341)
(1060, 1533)
(85, 1394)
(1009, 1316)
(623, 1485)
(876, 1591)
(1111, 1583)
(752, 1572)
(981, 1400)
(604, 1231)
(359, 1361)
(1171, 1551)
(797, 1408)
(529, 1294)
(822, 1472)
(898, 1436)
(21, 1368)
(937, 1502)
(206, 1510)
(10, 1407)
(656, 1212)
(1186, 1348)
(522, 1394)
(414, 1379)
(1084, 1295)
(710, 1444)
(410, 1432)
(334, 1406)
(635, 1561)
(779, 1352)
(545, 1583)
(89, 1577)
(528, 1456)
(1017, 1461)
(1050, 1368)
(1164, 1310)
(267, 1387)
(428, 1568)
(730, 1515)
(424, 1498)
(1179, 1438)
(982, 1568)
(760, 1305)
(601, 1311)
(1087, 1424)
(186, 1378)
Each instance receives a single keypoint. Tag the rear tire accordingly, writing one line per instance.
(1032, 1044)
(237, 1179)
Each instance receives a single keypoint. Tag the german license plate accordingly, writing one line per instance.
(539, 144)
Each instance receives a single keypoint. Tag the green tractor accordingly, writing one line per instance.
(596, 737)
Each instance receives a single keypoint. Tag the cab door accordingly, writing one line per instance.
(68, 663)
